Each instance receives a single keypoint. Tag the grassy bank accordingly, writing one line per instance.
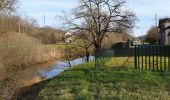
(20, 56)
(83, 82)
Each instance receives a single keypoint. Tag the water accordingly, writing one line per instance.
(61, 67)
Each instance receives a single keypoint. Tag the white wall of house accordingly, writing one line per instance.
(167, 24)
(69, 39)
(168, 40)
(166, 36)
(68, 34)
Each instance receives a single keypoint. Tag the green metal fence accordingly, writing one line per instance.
(152, 57)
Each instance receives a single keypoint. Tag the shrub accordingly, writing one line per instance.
(152, 35)
(49, 35)
(119, 45)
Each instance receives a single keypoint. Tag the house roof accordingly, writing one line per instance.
(167, 28)
(163, 20)
(169, 34)
(68, 34)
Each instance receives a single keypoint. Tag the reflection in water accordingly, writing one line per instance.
(62, 66)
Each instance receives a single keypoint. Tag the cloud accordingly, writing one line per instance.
(145, 10)
(50, 8)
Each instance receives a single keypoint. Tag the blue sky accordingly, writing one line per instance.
(145, 11)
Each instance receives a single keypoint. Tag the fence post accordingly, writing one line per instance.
(138, 57)
(149, 58)
(153, 56)
(157, 61)
(146, 59)
(168, 59)
(142, 55)
(135, 57)
(164, 54)
(161, 54)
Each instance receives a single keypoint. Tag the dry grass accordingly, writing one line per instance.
(20, 50)
(18, 55)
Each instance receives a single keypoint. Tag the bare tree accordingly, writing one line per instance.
(98, 17)
(84, 45)
(152, 35)
(7, 5)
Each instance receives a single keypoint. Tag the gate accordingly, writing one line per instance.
(152, 57)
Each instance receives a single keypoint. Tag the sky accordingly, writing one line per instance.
(145, 11)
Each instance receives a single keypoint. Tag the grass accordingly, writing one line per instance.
(64, 46)
(84, 82)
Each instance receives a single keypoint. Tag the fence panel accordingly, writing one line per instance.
(152, 57)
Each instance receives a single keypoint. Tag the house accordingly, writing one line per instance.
(137, 41)
(164, 31)
(68, 37)
(68, 34)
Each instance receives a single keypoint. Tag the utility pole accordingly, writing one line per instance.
(156, 23)
(143, 38)
(156, 20)
(44, 20)
(19, 27)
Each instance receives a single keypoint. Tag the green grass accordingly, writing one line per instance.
(111, 82)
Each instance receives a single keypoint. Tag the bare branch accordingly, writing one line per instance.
(7, 5)
(97, 17)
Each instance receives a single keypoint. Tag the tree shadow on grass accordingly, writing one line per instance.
(30, 92)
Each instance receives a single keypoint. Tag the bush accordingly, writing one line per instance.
(49, 35)
(152, 35)
(119, 45)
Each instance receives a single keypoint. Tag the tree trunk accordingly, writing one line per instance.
(98, 49)
(97, 55)
(87, 57)
(87, 54)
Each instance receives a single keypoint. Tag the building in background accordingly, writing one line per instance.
(164, 31)
(69, 37)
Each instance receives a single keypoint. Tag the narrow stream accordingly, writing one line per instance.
(61, 67)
